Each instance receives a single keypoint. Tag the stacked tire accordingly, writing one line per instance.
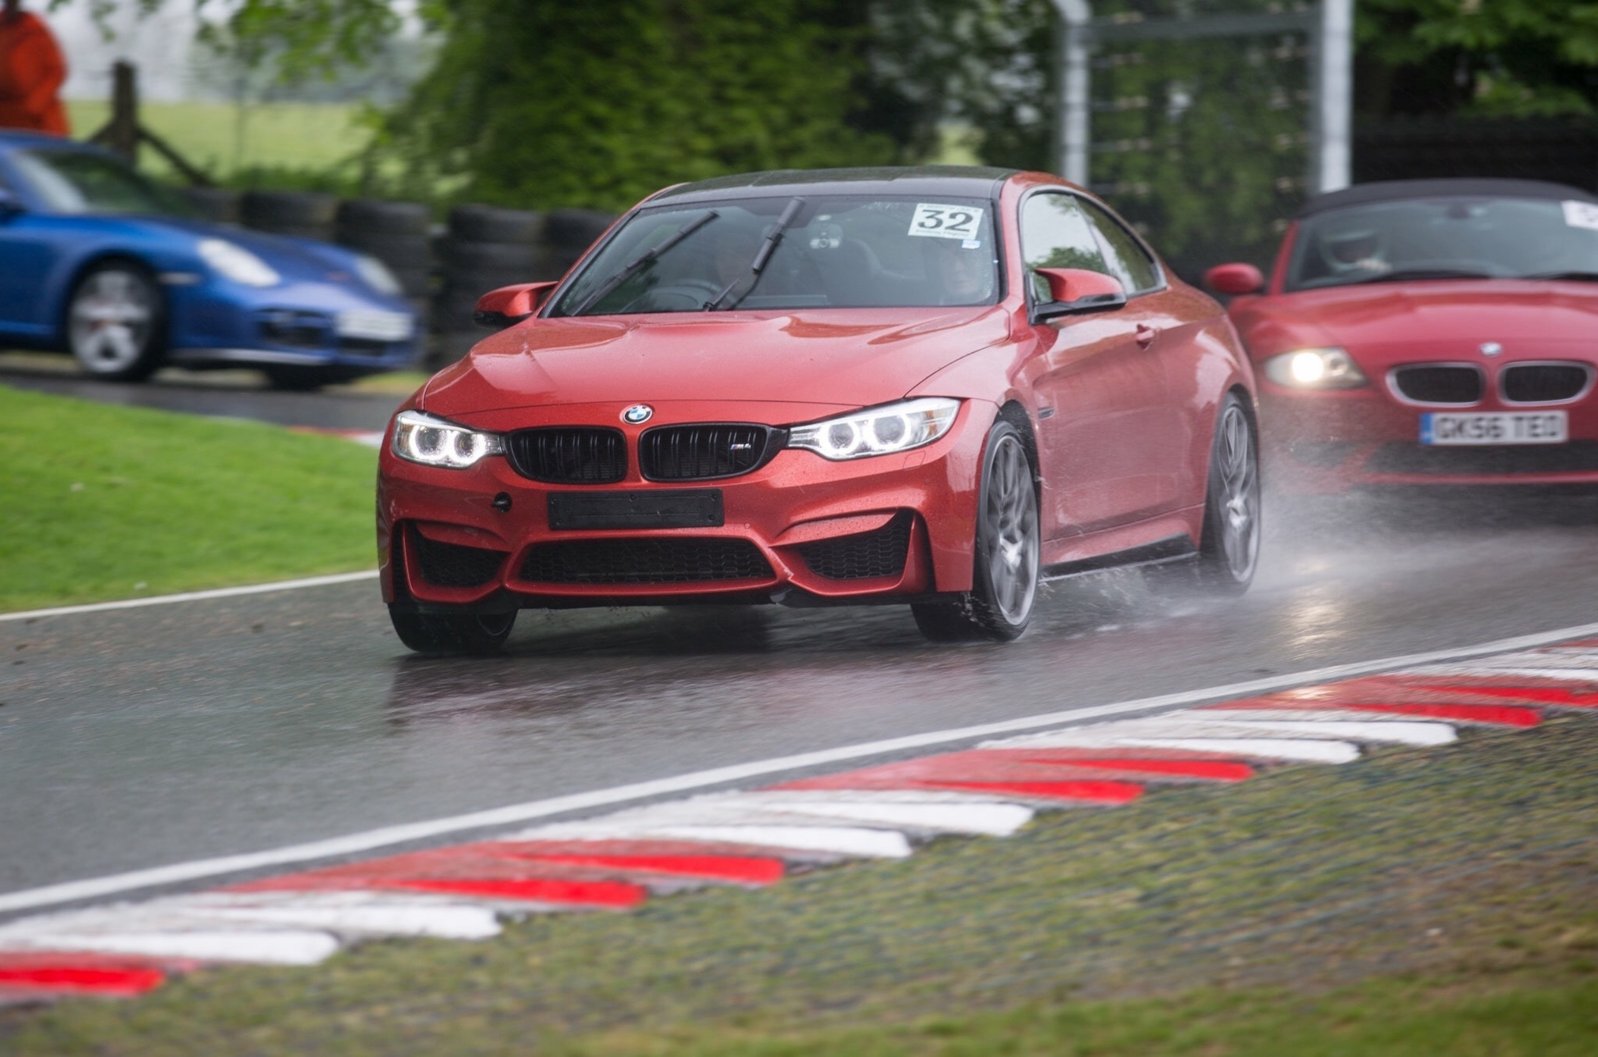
(400, 234)
(569, 233)
(483, 247)
(306, 214)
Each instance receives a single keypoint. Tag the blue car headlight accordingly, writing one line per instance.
(878, 430)
(375, 273)
(432, 441)
(232, 261)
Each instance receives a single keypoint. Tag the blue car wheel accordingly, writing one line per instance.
(116, 322)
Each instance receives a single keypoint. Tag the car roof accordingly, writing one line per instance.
(963, 181)
(1400, 190)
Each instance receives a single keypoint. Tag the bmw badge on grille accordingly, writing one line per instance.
(637, 414)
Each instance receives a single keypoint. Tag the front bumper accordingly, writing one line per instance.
(329, 326)
(1333, 442)
(799, 529)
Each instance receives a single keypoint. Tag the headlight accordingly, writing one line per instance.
(376, 275)
(1330, 368)
(434, 442)
(878, 431)
(237, 263)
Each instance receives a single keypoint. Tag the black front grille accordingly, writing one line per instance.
(697, 453)
(568, 455)
(861, 557)
(1578, 456)
(645, 561)
(452, 565)
(1439, 384)
(1540, 383)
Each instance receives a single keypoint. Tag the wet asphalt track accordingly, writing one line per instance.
(136, 738)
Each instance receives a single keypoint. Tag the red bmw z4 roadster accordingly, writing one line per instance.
(939, 387)
(1418, 333)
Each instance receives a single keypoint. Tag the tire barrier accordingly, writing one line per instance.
(483, 247)
(442, 268)
(307, 214)
(400, 235)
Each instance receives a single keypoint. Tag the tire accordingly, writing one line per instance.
(1229, 550)
(116, 322)
(574, 230)
(308, 214)
(471, 633)
(368, 216)
(478, 223)
(1004, 584)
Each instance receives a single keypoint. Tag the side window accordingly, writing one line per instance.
(1128, 260)
(1055, 234)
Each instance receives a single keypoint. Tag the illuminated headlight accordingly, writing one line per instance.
(375, 274)
(237, 263)
(434, 442)
(878, 431)
(1329, 368)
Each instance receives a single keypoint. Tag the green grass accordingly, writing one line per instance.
(223, 140)
(1418, 903)
(106, 502)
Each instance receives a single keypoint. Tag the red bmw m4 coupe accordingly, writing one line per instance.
(938, 387)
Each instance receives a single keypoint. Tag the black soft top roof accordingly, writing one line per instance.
(964, 181)
(1399, 190)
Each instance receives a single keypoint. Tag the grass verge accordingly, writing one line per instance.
(106, 502)
(1415, 904)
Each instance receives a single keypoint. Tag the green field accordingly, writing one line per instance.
(222, 140)
(107, 502)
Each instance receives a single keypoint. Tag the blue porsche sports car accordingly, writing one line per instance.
(97, 261)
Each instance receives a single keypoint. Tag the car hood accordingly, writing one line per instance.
(836, 359)
(1445, 316)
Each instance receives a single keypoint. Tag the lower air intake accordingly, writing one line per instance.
(645, 561)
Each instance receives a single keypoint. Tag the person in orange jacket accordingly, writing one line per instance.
(31, 73)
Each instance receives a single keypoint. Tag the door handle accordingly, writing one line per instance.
(1146, 335)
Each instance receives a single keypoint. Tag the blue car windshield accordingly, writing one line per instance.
(814, 251)
(71, 181)
(1447, 237)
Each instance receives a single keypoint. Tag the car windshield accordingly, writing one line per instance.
(1446, 237)
(814, 251)
(87, 182)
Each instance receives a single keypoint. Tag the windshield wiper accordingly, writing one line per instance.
(642, 260)
(768, 246)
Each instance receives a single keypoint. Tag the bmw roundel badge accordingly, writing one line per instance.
(637, 414)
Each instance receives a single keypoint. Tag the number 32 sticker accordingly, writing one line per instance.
(945, 222)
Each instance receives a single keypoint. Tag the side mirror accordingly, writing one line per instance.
(10, 205)
(1075, 290)
(501, 307)
(1234, 280)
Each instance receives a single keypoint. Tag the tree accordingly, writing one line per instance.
(1516, 58)
(314, 38)
(543, 105)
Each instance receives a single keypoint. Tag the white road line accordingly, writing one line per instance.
(355, 843)
(193, 596)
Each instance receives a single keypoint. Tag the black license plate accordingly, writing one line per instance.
(696, 508)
